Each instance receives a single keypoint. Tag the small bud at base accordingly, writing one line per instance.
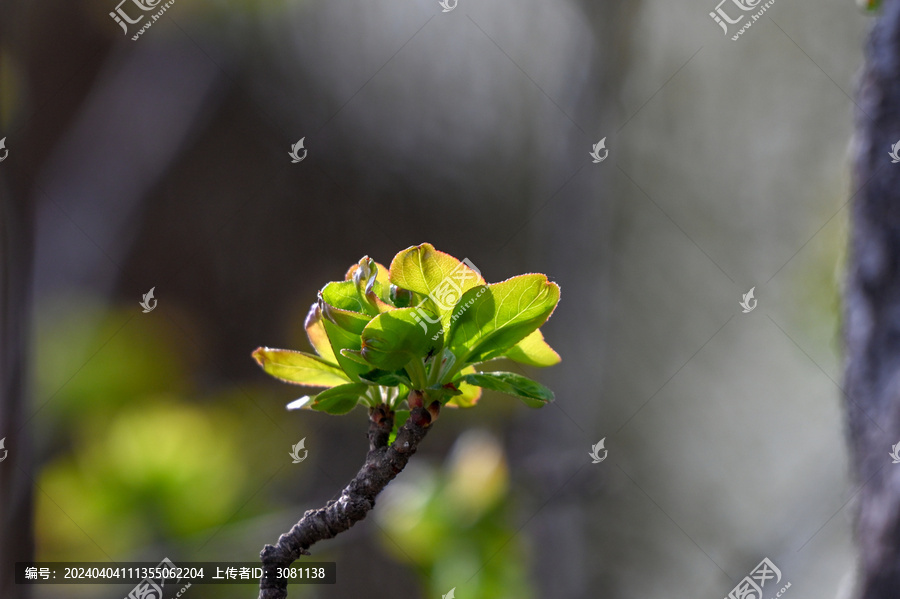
(420, 417)
(415, 399)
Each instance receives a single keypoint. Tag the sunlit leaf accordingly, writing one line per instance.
(507, 313)
(533, 351)
(299, 368)
(342, 295)
(531, 392)
(439, 276)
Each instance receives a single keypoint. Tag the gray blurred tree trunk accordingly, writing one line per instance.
(575, 230)
(15, 485)
(873, 312)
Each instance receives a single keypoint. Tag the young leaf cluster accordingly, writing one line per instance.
(418, 332)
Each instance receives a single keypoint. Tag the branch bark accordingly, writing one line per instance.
(383, 464)
(872, 305)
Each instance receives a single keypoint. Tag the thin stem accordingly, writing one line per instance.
(373, 394)
(434, 372)
(416, 371)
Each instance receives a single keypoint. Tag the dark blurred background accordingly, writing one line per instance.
(163, 162)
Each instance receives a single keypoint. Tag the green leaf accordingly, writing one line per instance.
(439, 276)
(533, 351)
(342, 295)
(339, 400)
(392, 339)
(340, 304)
(400, 418)
(488, 324)
(340, 340)
(299, 367)
(315, 330)
(531, 392)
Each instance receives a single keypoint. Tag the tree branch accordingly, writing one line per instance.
(383, 463)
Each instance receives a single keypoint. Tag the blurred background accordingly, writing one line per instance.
(162, 162)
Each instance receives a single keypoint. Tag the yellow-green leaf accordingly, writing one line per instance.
(315, 330)
(439, 276)
(299, 368)
(533, 351)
